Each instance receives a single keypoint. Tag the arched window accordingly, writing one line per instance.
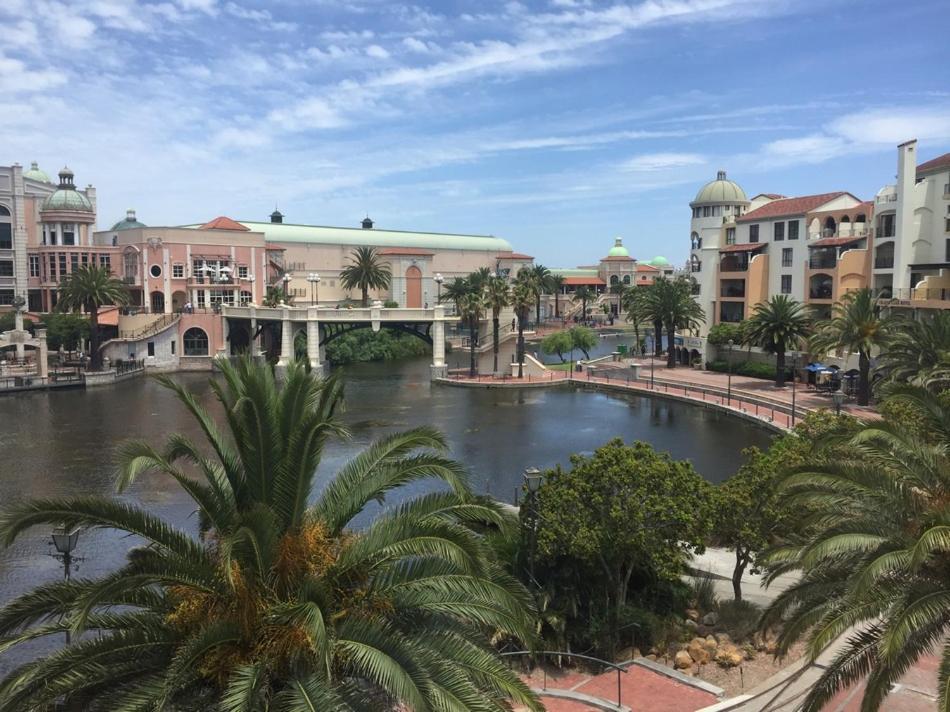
(695, 264)
(246, 297)
(626, 279)
(196, 342)
(4, 211)
(614, 279)
(6, 229)
(696, 241)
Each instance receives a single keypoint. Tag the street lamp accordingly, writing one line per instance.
(838, 399)
(532, 483)
(65, 542)
(794, 378)
(439, 279)
(652, 358)
(729, 381)
(314, 280)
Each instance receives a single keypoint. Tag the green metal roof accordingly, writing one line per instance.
(720, 190)
(67, 199)
(130, 222)
(319, 234)
(575, 271)
(36, 174)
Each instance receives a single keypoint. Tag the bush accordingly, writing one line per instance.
(704, 591)
(8, 322)
(367, 345)
(390, 304)
(739, 618)
(752, 369)
(720, 334)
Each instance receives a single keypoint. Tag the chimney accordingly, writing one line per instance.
(276, 216)
(367, 223)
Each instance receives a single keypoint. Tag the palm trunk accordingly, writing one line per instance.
(557, 308)
(670, 350)
(737, 575)
(537, 311)
(658, 337)
(520, 348)
(95, 358)
(584, 307)
(864, 378)
(365, 296)
(472, 333)
(494, 329)
(780, 368)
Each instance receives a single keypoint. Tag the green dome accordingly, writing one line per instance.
(36, 174)
(67, 197)
(722, 191)
(659, 261)
(130, 222)
(618, 250)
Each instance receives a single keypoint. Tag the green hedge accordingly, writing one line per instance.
(752, 369)
(367, 345)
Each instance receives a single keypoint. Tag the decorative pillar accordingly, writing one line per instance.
(21, 334)
(42, 364)
(286, 340)
(313, 342)
(225, 333)
(438, 368)
(255, 345)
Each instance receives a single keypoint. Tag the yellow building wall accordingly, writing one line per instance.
(757, 282)
(853, 272)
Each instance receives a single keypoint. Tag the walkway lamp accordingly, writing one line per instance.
(652, 355)
(439, 279)
(729, 380)
(64, 541)
(532, 483)
(314, 280)
(838, 399)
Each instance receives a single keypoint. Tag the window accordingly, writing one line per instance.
(753, 233)
(155, 271)
(130, 262)
(715, 211)
(6, 268)
(6, 297)
(74, 261)
(246, 297)
(178, 271)
(52, 268)
(150, 346)
(242, 271)
(707, 211)
(69, 234)
(105, 261)
(85, 258)
(786, 284)
(695, 241)
(4, 211)
(200, 294)
(947, 252)
(779, 234)
(6, 236)
(173, 347)
(793, 229)
(730, 236)
(196, 342)
(62, 264)
(885, 226)
(34, 265)
(695, 264)
(787, 257)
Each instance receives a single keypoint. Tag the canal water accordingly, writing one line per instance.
(62, 443)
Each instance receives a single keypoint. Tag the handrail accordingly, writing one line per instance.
(605, 663)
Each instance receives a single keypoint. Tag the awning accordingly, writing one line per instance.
(815, 367)
(835, 241)
(744, 247)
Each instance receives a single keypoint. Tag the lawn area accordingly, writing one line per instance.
(566, 366)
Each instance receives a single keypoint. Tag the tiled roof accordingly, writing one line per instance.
(514, 256)
(934, 164)
(590, 281)
(224, 223)
(835, 241)
(617, 258)
(791, 206)
(647, 268)
(406, 251)
(744, 247)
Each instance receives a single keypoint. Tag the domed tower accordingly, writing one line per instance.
(67, 216)
(712, 226)
(618, 269)
(36, 174)
(129, 223)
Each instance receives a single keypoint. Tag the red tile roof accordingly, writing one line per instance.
(835, 241)
(590, 281)
(617, 258)
(406, 251)
(934, 164)
(791, 206)
(771, 196)
(224, 223)
(647, 268)
(744, 247)
(514, 256)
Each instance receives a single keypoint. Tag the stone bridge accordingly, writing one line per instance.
(324, 324)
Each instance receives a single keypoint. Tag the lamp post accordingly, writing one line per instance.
(838, 399)
(652, 355)
(65, 542)
(314, 280)
(532, 483)
(729, 381)
(439, 279)
(794, 378)
(286, 280)
(251, 278)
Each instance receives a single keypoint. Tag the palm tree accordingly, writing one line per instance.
(276, 296)
(540, 280)
(87, 288)
(631, 301)
(278, 603)
(918, 352)
(497, 297)
(584, 294)
(365, 271)
(522, 298)
(857, 325)
(673, 301)
(871, 556)
(471, 309)
(777, 325)
(454, 291)
(556, 285)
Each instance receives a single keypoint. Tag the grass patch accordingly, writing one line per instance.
(558, 366)
(704, 591)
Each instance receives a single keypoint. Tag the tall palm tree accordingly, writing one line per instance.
(497, 297)
(366, 271)
(278, 603)
(454, 291)
(584, 294)
(631, 301)
(872, 556)
(471, 310)
(87, 288)
(857, 325)
(777, 325)
(522, 299)
(672, 300)
(539, 279)
(918, 352)
(556, 285)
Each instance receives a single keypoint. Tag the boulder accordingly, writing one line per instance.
(711, 644)
(771, 646)
(703, 630)
(729, 655)
(697, 651)
(652, 656)
(682, 660)
(723, 638)
(692, 614)
(710, 619)
(691, 624)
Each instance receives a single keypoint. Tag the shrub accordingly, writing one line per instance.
(752, 369)
(704, 591)
(390, 304)
(739, 618)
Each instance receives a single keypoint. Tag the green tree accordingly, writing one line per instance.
(631, 302)
(859, 326)
(558, 343)
(651, 307)
(584, 339)
(65, 329)
(556, 286)
(624, 513)
(918, 352)
(471, 310)
(497, 297)
(276, 296)
(86, 289)
(366, 270)
(584, 294)
(777, 325)
(724, 332)
(872, 557)
(277, 604)
(454, 291)
(521, 299)
(677, 308)
(540, 281)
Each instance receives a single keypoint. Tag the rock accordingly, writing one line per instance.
(771, 647)
(729, 656)
(654, 651)
(711, 644)
(652, 656)
(703, 630)
(711, 618)
(697, 651)
(691, 624)
(692, 614)
(682, 661)
(723, 638)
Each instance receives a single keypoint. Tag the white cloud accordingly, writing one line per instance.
(650, 162)
(415, 45)
(893, 126)
(377, 52)
(814, 148)
(16, 77)
(314, 113)
(209, 7)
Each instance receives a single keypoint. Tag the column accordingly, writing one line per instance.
(438, 368)
(167, 280)
(255, 345)
(225, 333)
(42, 352)
(313, 342)
(286, 340)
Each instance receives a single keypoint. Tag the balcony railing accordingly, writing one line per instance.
(822, 292)
(822, 262)
(732, 264)
(917, 294)
(884, 262)
(733, 291)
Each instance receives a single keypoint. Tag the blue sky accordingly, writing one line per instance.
(557, 124)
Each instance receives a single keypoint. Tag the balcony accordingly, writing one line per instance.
(823, 260)
(884, 262)
(820, 286)
(732, 288)
(731, 312)
(738, 262)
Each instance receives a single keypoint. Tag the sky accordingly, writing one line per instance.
(557, 124)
